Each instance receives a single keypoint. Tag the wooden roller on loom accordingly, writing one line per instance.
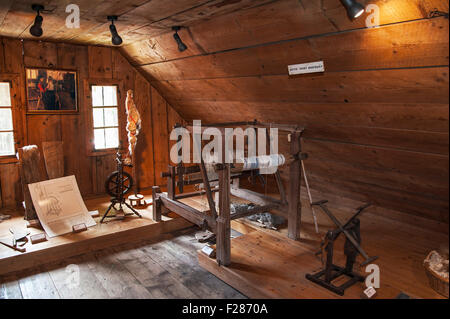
(254, 163)
(263, 162)
(226, 177)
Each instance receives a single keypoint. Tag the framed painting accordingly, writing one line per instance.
(51, 91)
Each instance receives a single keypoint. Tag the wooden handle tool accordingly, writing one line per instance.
(21, 249)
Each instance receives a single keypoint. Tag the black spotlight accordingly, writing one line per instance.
(36, 29)
(116, 39)
(181, 46)
(354, 9)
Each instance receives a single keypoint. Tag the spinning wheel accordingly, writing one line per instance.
(118, 184)
(118, 181)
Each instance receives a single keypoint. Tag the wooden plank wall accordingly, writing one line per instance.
(90, 62)
(377, 121)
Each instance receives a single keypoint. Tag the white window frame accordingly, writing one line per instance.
(88, 84)
(104, 127)
(14, 85)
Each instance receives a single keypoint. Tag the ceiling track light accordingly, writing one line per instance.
(436, 13)
(181, 46)
(115, 38)
(354, 9)
(36, 28)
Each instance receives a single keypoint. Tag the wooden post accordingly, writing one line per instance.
(223, 241)
(277, 175)
(156, 210)
(294, 206)
(171, 182)
(30, 172)
(212, 205)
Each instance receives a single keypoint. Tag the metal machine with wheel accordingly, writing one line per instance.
(117, 185)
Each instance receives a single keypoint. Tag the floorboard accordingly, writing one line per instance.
(158, 268)
(110, 233)
(157, 280)
(166, 266)
(115, 278)
(10, 289)
(38, 286)
(72, 286)
(266, 264)
(181, 246)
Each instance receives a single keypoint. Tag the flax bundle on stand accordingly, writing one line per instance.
(133, 128)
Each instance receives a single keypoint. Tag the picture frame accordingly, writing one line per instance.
(51, 91)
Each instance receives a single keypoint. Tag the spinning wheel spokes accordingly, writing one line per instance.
(114, 183)
(117, 185)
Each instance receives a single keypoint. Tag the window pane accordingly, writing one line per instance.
(98, 117)
(97, 95)
(6, 120)
(99, 139)
(111, 118)
(111, 138)
(5, 94)
(110, 95)
(6, 143)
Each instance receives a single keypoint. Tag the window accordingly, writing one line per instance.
(105, 117)
(6, 121)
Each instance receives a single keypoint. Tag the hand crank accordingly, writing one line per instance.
(346, 233)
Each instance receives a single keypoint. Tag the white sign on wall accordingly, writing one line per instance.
(312, 67)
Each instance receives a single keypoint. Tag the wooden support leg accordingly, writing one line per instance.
(277, 176)
(223, 241)
(216, 200)
(235, 183)
(212, 205)
(156, 210)
(294, 208)
(171, 182)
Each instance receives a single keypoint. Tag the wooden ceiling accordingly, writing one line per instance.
(138, 19)
(375, 120)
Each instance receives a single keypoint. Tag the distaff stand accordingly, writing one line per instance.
(220, 222)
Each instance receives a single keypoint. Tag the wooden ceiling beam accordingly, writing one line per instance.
(419, 43)
(278, 21)
(138, 19)
(5, 6)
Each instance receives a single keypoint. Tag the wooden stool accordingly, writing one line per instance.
(136, 200)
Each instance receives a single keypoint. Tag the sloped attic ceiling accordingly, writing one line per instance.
(374, 120)
(242, 57)
(138, 19)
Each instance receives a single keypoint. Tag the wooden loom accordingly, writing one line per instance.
(228, 176)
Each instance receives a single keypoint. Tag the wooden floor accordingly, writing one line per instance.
(165, 268)
(111, 232)
(265, 264)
